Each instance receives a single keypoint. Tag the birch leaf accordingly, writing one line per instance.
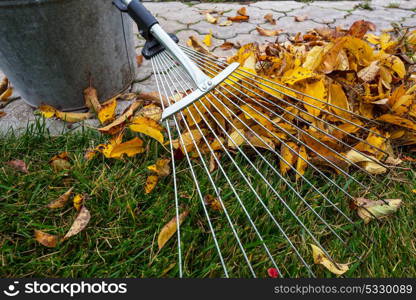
(150, 185)
(169, 229)
(81, 221)
(370, 209)
(61, 201)
(107, 111)
(46, 239)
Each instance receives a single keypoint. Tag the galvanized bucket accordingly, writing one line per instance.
(52, 49)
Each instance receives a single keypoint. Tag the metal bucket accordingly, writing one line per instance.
(51, 49)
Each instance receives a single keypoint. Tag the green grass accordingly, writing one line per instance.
(121, 238)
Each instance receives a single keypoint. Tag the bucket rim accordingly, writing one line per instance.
(15, 3)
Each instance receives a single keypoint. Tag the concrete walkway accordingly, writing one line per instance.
(185, 19)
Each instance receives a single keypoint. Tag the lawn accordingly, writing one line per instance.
(121, 238)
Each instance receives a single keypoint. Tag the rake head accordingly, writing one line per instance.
(227, 123)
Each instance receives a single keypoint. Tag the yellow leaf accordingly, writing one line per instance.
(302, 162)
(4, 84)
(107, 111)
(338, 98)
(46, 239)
(161, 168)
(242, 11)
(293, 76)
(188, 138)
(61, 201)
(319, 257)
(226, 23)
(71, 117)
(118, 124)
(268, 32)
(47, 111)
(148, 127)
(212, 202)
(289, 155)
(208, 39)
(79, 224)
(370, 165)
(78, 201)
(317, 90)
(6, 94)
(210, 18)
(130, 148)
(369, 73)
(151, 111)
(169, 229)
(60, 162)
(151, 182)
(236, 139)
(313, 58)
(396, 120)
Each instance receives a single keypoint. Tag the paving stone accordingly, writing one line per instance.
(410, 21)
(223, 32)
(219, 6)
(290, 26)
(165, 8)
(279, 6)
(144, 70)
(171, 26)
(189, 15)
(386, 14)
(321, 15)
(403, 4)
(381, 24)
(340, 5)
(184, 35)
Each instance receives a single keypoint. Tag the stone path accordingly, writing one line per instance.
(185, 19)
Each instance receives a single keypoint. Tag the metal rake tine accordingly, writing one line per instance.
(259, 198)
(288, 207)
(287, 88)
(223, 171)
(156, 62)
(309, 114)
(175, 187)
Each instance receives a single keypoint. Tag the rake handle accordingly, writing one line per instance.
(143, 18)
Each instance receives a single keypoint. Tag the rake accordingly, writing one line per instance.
(202, 98)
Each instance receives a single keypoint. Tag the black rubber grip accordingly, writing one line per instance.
(144, 19)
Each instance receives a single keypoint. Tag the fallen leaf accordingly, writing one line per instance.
(268, 32)
(301, 18)
(81, 221)
(359, 28)
(370, 209)
(4, 85)
(289, 155)
(210, 18)
(269, 18)
(47, 111)
(61, 200)
(161, 168)
(107, 111)
(6, 94)
(198, 46)
(227, 46)
(239, 18)
(319, 257)
(150, 185)
(396, 120)
(369, 73)
(302, 162)
(2, 114)
(169, 229)
(273, 273)
(139, 60)
(18, 165)
(46, 239)
(369, 164)
(151, 111)
(78, 201)
(208, 39)
(91, 99)
(242, 11)
(213, 202)
(72, 117)
(117, 125)
(60, 162)
(226, 23)
(148, 127)
(129, 148)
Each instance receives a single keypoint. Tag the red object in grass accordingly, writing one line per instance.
(273, 273)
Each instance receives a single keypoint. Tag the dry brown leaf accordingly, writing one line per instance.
(197, 45)
(139, 60)
(2, 114)
(60, 162)
(18, 165)
(359, 28)
(268, 32)
(370, 209)
(301, 18)
(319, 257)
(91, 99)
(81, 221)
(213, 202)
(150, 185)
(169, 229)
(369, 73)
(4, 83)
(227, 46)
(239, 18)
(269, 18)
(61, 200)
(242, 11)
(46, 239)
(161, 168)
